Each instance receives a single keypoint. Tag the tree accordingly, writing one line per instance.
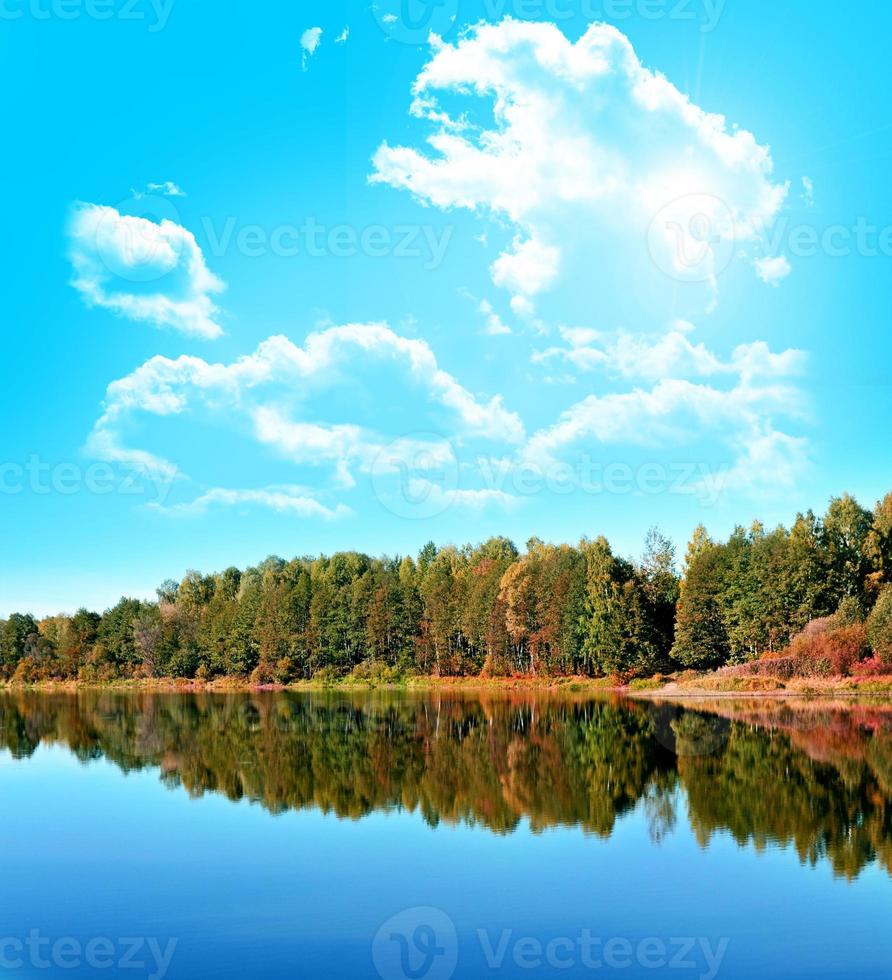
(616, 637)
(701, 638)
(167, 591)
(78, 639)
(660, 582)
(518, 598)
(753, 601)
(804, 585)
(242, 651)
(879, 539)
(879, 626)
(227, 584)
(846, 529)
(14, 638)
(441, 632)
(195, 591)
(409, 611)
(700, 540)
(115, 632)
(147, 635)
(542, 594)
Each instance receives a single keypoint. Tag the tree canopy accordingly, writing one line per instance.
(489, 608)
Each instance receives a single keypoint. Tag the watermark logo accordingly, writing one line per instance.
(413, 21)
(420, 476)
(422, 944)
(585, 951)
(691, 239)
(416, 476)
(154, 14)
(689, 734)
(132, 242)
(39, 477)
(705, 13)
(695, 238)
(427, 244)
(416, 944)
(136, 955)
(143, 239)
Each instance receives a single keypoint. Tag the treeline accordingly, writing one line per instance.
(492, 610)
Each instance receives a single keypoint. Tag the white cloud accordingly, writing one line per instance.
(293, 501)
(597, 174)
(672, 413)
(274, 395)
(523, 307)
(438, 498)
(772, 270)
(586, 152)
(769, 462)
(808, 192)
(495, 326)
(258, 393)
(309, 43)
(528, 269)
(144, 270)
(168, 188)
(669, 355)
(680, 413)
(344, 36)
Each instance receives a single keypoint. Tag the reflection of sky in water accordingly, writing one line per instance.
(90, 851)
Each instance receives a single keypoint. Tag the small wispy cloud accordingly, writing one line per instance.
(808, 192)
(291, 500)
(495, 325)
(166, 187)
(773, 269)
(343, 37)
(309, 42)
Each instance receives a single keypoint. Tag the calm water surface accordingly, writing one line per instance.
(277, 835)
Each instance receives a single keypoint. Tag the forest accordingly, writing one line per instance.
(814, 599)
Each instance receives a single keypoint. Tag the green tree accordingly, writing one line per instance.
(846, 529)
(616, 637)
(115, 634)
(660, 583)
(804, 582)
(701, 638)
(879, 539)
(14, 638)
(879, 626)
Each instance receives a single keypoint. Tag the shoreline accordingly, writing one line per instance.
(845, 688)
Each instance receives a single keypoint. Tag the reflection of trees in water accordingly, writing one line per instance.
(821, 780)
(815, 779)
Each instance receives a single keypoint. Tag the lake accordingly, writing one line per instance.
(420, 836)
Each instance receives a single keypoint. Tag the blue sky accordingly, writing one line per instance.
(271, 290)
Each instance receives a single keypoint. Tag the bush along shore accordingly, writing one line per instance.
(804, 607)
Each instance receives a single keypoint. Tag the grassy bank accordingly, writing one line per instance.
(688, 685)
(173, 685)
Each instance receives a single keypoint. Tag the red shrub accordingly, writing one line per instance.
(872, 667)
(829, 653)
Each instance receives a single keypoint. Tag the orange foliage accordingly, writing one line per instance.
(834, 652)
